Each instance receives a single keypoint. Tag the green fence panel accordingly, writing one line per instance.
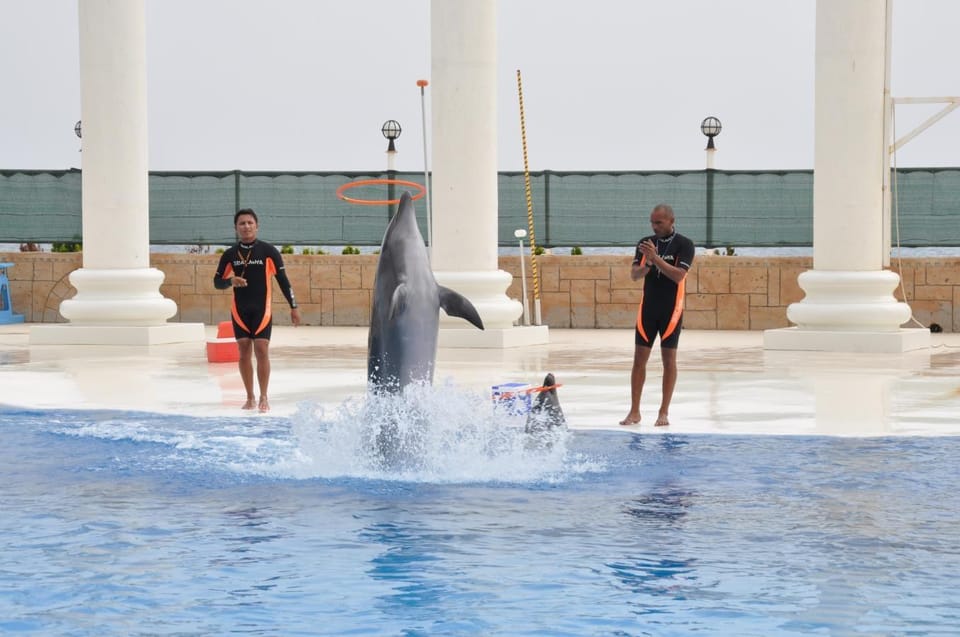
(571, 208)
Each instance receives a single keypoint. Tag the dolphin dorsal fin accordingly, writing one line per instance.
(455, 304)
(398, 302)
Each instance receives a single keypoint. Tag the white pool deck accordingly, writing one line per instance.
(728, 383)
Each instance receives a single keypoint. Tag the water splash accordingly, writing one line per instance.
(429, 433)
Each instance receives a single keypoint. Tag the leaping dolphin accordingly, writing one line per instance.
(405, 315)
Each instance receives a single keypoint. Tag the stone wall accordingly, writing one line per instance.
(723, 292)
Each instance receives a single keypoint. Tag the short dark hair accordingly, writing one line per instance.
(245, 211)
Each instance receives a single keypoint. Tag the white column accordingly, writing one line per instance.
(849, 303)
(118, 299)
(464, 194)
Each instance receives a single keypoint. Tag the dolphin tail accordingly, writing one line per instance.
(455, 304)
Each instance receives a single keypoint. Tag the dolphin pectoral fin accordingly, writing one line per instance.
(398, 302)
(455, 304)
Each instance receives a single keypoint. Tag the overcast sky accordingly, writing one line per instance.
(608, 84)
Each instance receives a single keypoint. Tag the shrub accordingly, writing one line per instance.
(350, 250)
(576, 250)
(287, 249)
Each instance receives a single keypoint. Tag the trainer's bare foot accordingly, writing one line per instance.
(264, 404)
(662, 421)
(250, 404)
(630, 420)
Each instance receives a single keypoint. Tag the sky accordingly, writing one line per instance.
(305, 85)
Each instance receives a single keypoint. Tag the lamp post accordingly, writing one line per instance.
(391, 130)
(710, 126)
(520, 233)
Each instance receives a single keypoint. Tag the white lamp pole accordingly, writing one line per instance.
(520, 233)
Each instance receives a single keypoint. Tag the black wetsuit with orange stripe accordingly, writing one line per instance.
(661, 308)
(257, 262)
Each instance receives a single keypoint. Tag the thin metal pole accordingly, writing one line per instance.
(523, 286)
(426, 171)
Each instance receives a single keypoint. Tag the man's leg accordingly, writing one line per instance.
(262, 348)
(245, 345)
(638, 376)
(669, 356)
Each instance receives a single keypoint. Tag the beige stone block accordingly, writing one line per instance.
(577, 272)
(773, 285)
(700, 302)
(582, 293)
(920, 275)
(602, 291)
(549, 278)
(759, 300)
(733, 312)
(620, 276)
(713, 280)
(630, 297)
(768, 318)
(956, 309)
(932, 311)
(748, 280)
(934, 293)
(700, 319)
(21, 297)
(555, 309)
(944, 273)
(692, 280)
(24, 270)
(350, 278)
(196, 308)
(299, 275)
(583, 303)
(324, 276)
(61, 268)
(171, 292)
(616, 316)
(351, 307)
(326, 307)
(181, 274)
(790, 290)
(368, 275)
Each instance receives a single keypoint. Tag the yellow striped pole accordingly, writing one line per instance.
(526, 182)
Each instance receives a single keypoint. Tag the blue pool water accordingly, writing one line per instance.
(135, 523)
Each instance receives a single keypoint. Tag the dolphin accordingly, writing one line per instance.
(545, 413)
(405, 314)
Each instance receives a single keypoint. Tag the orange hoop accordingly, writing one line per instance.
(375, 182)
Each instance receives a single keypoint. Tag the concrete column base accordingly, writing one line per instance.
(795, 338)
(487, 291)
(117, 307)
(66, 334)
(495, 338)
(848, 311)
(121, 297)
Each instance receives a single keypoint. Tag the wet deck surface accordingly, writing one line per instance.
(728, 383)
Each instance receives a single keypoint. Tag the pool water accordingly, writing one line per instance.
(135, 523)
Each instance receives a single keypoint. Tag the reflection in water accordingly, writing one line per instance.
(656, 518)
(404, 563)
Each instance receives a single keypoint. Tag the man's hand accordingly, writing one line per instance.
(649, 250)
(238, 282)
(295, 316)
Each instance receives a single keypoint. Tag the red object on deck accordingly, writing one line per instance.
(224, 348)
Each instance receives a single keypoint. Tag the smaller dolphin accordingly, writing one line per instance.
(545, 413)
(405, 316)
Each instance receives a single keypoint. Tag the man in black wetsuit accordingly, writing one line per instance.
(247, 268)
(662, 260)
